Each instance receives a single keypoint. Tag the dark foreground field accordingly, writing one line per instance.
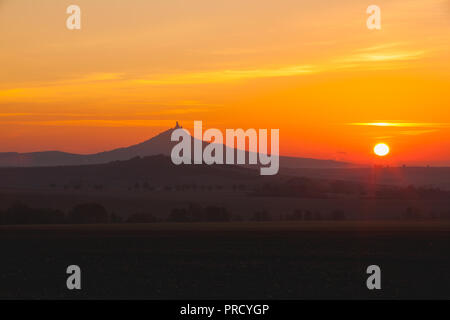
(227, 261)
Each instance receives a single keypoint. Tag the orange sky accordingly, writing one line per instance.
(309, 68)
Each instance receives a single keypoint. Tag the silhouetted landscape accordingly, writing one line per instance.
(158, 145)
(152, 188)
(214, 231)
(244, 151)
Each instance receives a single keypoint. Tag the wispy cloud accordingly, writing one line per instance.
(227, 75)
(96, 123)
(382, 46)
(385, 56)
(183, 111)
(390, 52)
(15, 114)
(402, 124)
(405, 128)
(384, 53)
(138, 119)
(381, 56)
(99, 84)
(417, 132)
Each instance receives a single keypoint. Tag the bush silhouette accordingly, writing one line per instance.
(261, 216)
(88, 213)
(141, 217)
(197, 213)
(20, 213)
(338, 215)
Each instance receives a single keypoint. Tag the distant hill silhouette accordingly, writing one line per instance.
(155, 170)
(157, 145)
(160, 144)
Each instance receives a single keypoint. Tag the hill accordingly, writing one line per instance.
(159, 144)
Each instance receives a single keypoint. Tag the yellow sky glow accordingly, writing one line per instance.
(309, 68)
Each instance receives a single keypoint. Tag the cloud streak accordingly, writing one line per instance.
(96, 123)
(402, 124)
(228, 75)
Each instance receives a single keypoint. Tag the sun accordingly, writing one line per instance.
(381, 149)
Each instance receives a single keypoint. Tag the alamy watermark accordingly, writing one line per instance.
(374, 280)
(73, 22)
(374, 20)
(209, 147)
(74, 280)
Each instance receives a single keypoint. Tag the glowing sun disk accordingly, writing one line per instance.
(381, 149)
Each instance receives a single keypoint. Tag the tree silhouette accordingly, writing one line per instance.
(88, 213)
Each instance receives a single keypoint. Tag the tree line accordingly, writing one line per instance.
(94, 213)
